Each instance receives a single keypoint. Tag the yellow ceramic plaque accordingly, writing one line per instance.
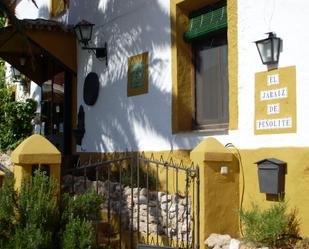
(138, 74)
(275, 101)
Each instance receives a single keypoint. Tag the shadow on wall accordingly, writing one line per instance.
(117, 122)
(44, 12)
(41, 12)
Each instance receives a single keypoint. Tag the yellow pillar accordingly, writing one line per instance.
(35, 151)
(219, 189)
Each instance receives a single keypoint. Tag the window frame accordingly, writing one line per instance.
(58, 7)
(182, 75)
(216, 126)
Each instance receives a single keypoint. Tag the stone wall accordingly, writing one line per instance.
(5, 160)
(162, 207)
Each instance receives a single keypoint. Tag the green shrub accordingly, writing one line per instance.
(36, 213)
(7, 210)
(38, 202)
(30, 237)
(78, 234)
(302, 244)
(34, 219)
(272, 227)
(83, 206)
(77, 213)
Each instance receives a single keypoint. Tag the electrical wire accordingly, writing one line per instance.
(238, 155)
(267, 6)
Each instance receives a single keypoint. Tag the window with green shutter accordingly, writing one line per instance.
(206, 22)
(208, 34)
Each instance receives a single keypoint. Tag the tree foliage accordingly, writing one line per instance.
(15, 117)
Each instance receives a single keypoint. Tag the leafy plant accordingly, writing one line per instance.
(272, 227)
(31, 214)
(30, 237)
(78, 234)
(82, 206)
(302, 244)
(38, 201)
(77, 214)
(7, 207)
(34, 219)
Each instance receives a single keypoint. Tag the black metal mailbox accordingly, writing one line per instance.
(271, 172)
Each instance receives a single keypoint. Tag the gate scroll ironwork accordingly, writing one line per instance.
(148, 202)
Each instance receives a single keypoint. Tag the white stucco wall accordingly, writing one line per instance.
(36, 94)
(285, 18)
(116, 122)
(25, 9)
(119, 123)
(255, 18)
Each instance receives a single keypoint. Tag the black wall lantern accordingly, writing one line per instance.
(83, 32)
(269, 49)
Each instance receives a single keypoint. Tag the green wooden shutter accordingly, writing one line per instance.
(206, 22)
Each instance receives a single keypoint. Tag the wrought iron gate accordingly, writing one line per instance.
(148, 202)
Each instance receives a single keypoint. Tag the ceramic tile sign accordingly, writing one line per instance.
(275, 101)
(138, 74)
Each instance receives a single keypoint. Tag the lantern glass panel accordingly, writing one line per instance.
(78, 33)
(15, 72)
(265, 50)
(86, 32)
(276, 45)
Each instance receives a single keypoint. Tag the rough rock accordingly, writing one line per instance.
(161, 207)
(166, 198)
(234, 244)
(218, 241)
(5, 160)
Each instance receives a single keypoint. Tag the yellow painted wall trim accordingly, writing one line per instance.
(177, 156)
(181, 71)
(36, 150)
(142, 88)
(218, 157)
(219, 194)
(232, 18)
(182, 68)
(287, 115)
(296, 180)
(211, 150)
(297, 177)
(58, 7)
